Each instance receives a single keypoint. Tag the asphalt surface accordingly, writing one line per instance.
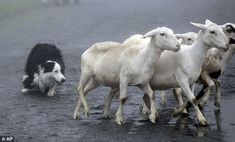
(74, 28)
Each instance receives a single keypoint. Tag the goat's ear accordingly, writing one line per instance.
(180, 40)
(150, 33)
(179, 35)
(200, 26)
(207, 22)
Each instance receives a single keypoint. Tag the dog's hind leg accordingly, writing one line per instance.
(26, 84)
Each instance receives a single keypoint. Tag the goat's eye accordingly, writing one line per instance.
(189, 39)
(213, 32)
(56, 71)
(162, 34)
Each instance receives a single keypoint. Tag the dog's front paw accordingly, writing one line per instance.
(51, 93)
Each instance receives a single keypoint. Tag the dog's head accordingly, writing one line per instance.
(52, 71)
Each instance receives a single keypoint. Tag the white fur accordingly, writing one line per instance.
(187, 38)
(123, 66)
(183, 68)
(49, 79)
(216, 60)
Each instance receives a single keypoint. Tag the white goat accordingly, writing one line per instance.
(183, 68)
(214, 66)
(122, 66)
(187, 39)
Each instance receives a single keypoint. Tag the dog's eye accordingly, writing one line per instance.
(56, 71)
(189, 39)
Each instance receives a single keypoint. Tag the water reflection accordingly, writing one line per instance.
(189, 127)
(184, 126)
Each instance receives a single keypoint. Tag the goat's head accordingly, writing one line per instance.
(212, 35)
(229, 30)
(164, 38)
(187, 38)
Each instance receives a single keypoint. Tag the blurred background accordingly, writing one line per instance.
(73, 26)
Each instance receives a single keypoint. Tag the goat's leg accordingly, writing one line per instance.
(218, 93)
(80, 89)
(76, 114)
(178, 96)
(163, 97)
(146, 105)
(182, 81)
(205, 77)
(123, 97)
(153, 112)
(113, 92)
(199, 95)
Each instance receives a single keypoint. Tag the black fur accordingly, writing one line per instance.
(199, 95)
(230, 29)
(214, 75)
(38, 56)
(48, 66)
(231, 41)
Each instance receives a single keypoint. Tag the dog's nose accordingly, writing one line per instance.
(62, 80)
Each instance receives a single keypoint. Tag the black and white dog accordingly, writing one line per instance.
(44, 69)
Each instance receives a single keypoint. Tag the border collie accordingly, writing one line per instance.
(44, 69)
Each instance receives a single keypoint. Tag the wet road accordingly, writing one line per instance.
(73, 28)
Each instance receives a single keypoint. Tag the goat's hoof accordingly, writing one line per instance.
(106, 116)
(217, 104)
(144, 111)
(202, 122)
(119, 121)
(163, 101)
(86, 114)
(153, 120)
(176, 111)
(184, 114)
(76, 116)
(157, 116)
(152, 117)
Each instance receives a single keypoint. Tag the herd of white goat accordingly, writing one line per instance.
(158, 60)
